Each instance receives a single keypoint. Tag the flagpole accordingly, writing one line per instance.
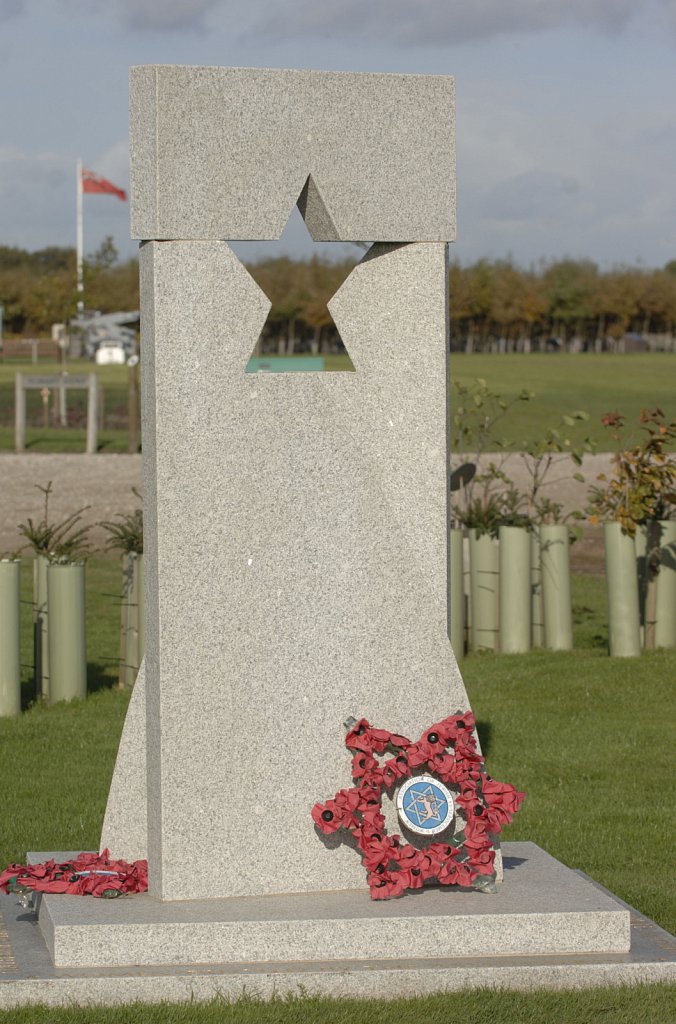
(80, 241)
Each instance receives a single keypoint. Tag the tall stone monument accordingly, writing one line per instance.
(296, 575)
(296, 524)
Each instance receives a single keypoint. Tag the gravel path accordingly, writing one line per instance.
(105, 483)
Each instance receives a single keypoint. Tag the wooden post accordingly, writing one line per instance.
(92, 414)
(19, 414)
(132, 404)
(63, 407)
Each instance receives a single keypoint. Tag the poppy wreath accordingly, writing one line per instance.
(88, 874)
(449, 750)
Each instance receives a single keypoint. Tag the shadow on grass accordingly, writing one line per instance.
(28, 693)
(484, 731)
(101, 676)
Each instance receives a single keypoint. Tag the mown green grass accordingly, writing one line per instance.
(655, 1004)
(589, 738)
(591, 382)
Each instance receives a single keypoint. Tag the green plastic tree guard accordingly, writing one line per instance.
(40, 627)
(484, 568)
(67, 637)
(456, 592)
(10, 662)
(125, 601)
(641, 547)
(665, 619)
(140, 608)
(132, 631)
(622, 584)
(556, 596)
(537, 615)
(514, 595)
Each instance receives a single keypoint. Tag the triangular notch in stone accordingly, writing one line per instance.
(299, 333)
(315, 213)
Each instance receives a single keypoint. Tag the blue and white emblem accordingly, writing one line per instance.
(425, 806)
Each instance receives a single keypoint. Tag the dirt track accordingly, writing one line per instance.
(105, 483)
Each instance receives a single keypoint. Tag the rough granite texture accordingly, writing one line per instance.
(295, 575)
(544, 909)
(125, 825)
(226, 152)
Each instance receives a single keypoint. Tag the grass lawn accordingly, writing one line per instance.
(562, 383)
(645, 1004)
(594, 383)
(588, 738)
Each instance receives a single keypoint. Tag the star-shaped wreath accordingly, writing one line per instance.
(449, 750)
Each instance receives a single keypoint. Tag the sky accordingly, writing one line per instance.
(566, 109)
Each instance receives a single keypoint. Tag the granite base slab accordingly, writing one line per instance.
(28, 976)
(542, 908)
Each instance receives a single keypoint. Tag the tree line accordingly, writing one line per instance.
(568, 304)
(37, 289)
(494, 305)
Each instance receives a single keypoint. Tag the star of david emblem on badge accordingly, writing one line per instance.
(425, 806)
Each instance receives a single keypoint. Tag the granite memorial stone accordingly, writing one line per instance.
(296, 524)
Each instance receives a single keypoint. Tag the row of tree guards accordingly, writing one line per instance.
(59, 630)
(518, 597)
(513, 592)
(518, 593)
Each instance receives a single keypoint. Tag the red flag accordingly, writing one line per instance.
(95, 183)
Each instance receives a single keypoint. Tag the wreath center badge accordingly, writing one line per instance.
(443, 791)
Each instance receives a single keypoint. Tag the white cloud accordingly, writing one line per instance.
(403, 22)
(443, 22)
(149, 15)
(10, 8)
(166, 15)
(114, 163)
(537, 184)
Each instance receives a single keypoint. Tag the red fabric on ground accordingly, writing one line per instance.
(89, 874)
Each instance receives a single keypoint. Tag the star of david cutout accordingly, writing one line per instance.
(448, 752)
(300, 291)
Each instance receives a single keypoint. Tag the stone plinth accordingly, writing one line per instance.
(543, 908)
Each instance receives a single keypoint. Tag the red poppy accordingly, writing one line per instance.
(503, 801)
(385, 886)
(363, 764)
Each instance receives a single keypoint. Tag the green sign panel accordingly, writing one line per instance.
(285, 364)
